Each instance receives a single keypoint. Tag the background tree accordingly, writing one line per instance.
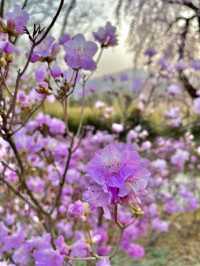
(170, 26)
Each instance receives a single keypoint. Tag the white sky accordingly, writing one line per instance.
(117, 58)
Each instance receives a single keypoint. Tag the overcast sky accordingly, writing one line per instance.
(117, 58)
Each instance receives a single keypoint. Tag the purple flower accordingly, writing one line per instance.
(137, 84)
(106, 36)
(13, 241)
(56, 126)
(79, 249)
(41, 73)
(195, 64)
(79, 53)
(180, 65)
(174, 89)
(124, 77)
(180, 158)
(17, 20)
(36, 184)
(135, 251)
(103, 262)
(76, 209)
(56, 71)
(48, 257)
(150, 52)
(164, 64)
(196, 105)
(160, 225)
(6, 46)
(119, 171)
(64, 38)
(46, 51)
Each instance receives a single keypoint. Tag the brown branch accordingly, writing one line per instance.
(21, 72)
(19, 76)
(187, 85)
(16, 192)
(184, 3)
(51, 24)
(24, 4)
(2, 8)
(63, 179)
(35, 109)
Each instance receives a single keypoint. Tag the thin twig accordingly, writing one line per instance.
(51, 24)
(63, 179)
(28, 117)
(2, 8)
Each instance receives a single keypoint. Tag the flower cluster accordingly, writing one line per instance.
(119, 173)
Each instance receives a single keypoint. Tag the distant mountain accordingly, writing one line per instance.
(129, 79)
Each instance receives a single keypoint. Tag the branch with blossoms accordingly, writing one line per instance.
(39, 157)
(70, 196)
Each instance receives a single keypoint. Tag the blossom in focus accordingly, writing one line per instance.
(17, 20)
(79, 53)
(106, 36)
(118, 172)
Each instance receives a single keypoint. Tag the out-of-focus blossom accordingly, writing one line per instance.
(46, 51)
(150, 52)
(106, 36)
(5, 45)
(48, 257)
(56, 71)
(180, 158)
(117, 128)
(159, 225)
(174, 89)
(76, 209)
(195, 64)
(181, 65)
(135, 251)
(196, 105)
(64, 38)
(17, 20)
(100, 104)
(103, 262)
(79, 53)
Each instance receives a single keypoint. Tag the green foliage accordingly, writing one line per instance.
(125, 113)
(154, 257)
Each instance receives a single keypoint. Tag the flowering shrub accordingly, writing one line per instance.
(64, 195)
